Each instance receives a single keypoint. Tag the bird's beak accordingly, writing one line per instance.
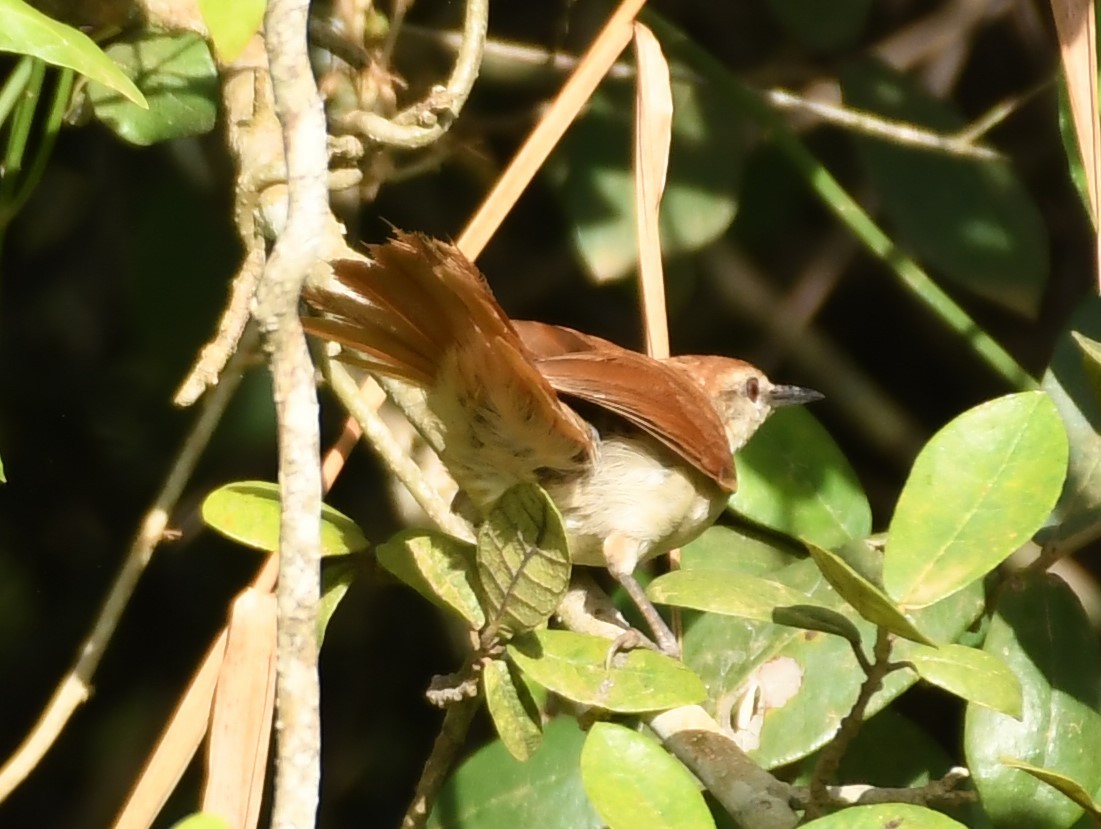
(792, 396)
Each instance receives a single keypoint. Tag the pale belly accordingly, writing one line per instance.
(637, 492)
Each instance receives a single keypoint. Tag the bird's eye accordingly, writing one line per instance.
(752, 389)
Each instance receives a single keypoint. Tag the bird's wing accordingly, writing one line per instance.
(422, 313)
(651, 394)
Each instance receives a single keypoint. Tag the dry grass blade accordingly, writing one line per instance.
(178, 744)
(653, 134)
(600, 57)
(1076, 28)
(240, 723)
(185, 730)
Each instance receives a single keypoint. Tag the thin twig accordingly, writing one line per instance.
(426, 121)
(75, 687)
(395, 459)
(897, 132)
(830, 758)
(527, 161)
(942, 792)
(212, 359)
(302, 121)
(449, 741)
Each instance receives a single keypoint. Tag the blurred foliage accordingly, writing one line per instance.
(115, 262)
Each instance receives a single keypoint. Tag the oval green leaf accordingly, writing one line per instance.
(437, 566)
(885, 815)
(730, 655)
(572, 666)
(632, 781)
(27, 31)
(492, 790)
(177, 75)
(976, 676)
(981, 487)
(731, 594)
(515, 714)
(523, 560)
(793, 478)
(970, 219)
(1042, 633)
(248, 512)
(867, 599)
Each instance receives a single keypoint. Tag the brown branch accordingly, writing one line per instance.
(302, 121)
(830, 758)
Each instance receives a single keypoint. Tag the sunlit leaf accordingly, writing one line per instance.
(974, 675)
(26, 31)
(523, 560)
(492, 790)
(981, 487)
(794, 479)
(249, 512)
(633, 782)
(572, 665)
(437, 566)
(515, 714)
(232, 25)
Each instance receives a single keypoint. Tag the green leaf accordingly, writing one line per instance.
(232, 25)
(821, 619)
(492, 790)
(523, 560)
(731, 594)
(976, 676)
(591, 173)
(733, 656)
(337, 575)
(26, 31)
(981, 487)
(885, 815)
(1066, 381)
(248, 513)
(793, 478)
(733, 550)
(1042, 633)
(3, 474)
(838, 29)
(178, 77)
(972, 220)
(437, 566)
(572, 666)
(515, 715)
(868, 600)
(632, 781)
(1061, 783)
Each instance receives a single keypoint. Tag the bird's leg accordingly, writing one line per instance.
(621, 553)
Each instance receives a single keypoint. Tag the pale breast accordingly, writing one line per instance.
(635, 489)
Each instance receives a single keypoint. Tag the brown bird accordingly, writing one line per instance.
(636, 453)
